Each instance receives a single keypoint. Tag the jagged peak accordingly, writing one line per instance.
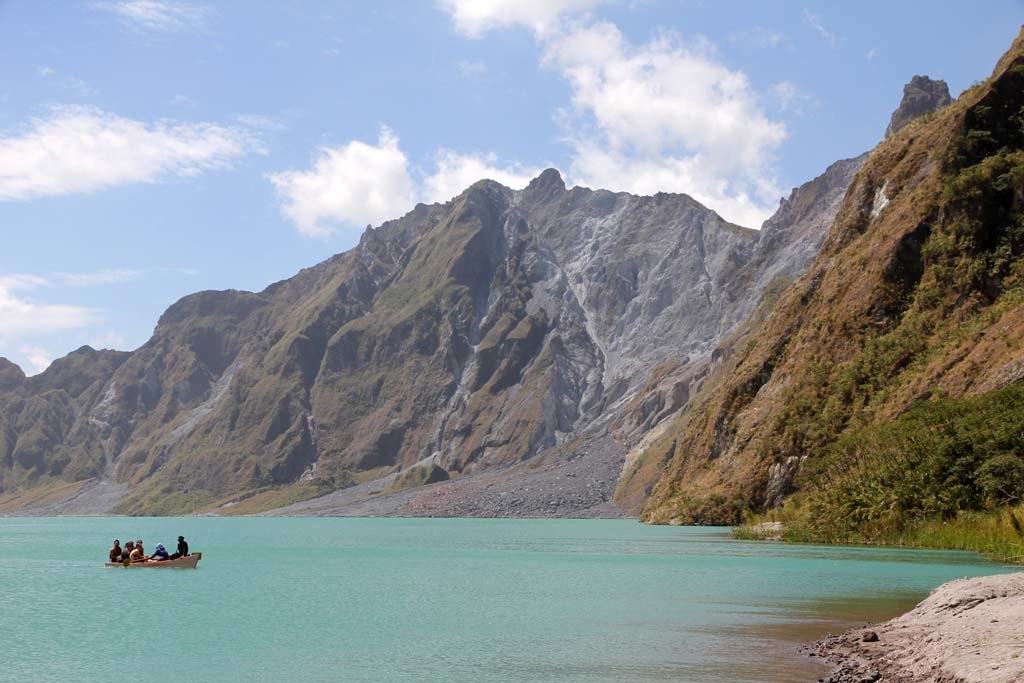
(922, 95)
(11, 374)
(550, 178)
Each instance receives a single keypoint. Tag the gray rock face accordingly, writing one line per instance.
(612, 284)
(791, 238)
(467, 336)
(11, 376)
(921, 96)
(786, 243)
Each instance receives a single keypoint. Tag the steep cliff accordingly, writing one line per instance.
(915, 296)
(921, 96)
(787, 243)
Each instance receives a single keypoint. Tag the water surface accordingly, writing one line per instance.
(403, 600)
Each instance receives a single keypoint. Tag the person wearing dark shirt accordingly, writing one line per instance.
(182, 548)
(116, 551)
(160, 553)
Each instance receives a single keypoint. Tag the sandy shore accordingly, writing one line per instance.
(966, 631)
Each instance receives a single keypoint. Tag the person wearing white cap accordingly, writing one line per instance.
(160, 553)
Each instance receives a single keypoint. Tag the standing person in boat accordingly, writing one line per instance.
(160, 553)
(182, 549)
(116, 551)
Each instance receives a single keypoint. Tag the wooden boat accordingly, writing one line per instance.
(188, 562)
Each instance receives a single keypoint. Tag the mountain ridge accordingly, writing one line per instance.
(471, 335)
(501, 330)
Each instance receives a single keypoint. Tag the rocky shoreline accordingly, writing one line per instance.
(966, 631)
(578, 484)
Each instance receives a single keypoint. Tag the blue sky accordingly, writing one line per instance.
(151, 148)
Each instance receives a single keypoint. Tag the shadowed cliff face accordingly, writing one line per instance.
(467, 336)
(915, 293)
(921, 96)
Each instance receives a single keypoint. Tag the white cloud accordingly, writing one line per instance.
(20, 315)
(599, 167)
(178, 271)
(108, 276)
(455, 172)
(871, 54)
(814, 22)
(356, 184)
(790, 97)
(45, 71)
(785, 93)
(666, 116)
(758, 36)
(19, 281)
(473, 18)
(353, 184)
(154, 15)
(84, 149)
(39, 358)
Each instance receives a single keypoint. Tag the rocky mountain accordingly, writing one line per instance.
(512, 352)
(921, 96)
(463, 337)
(874, 370)
(11, 376)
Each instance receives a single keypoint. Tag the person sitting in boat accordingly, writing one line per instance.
(116, 551)
(160, 553)
(138, 554)
(182, 549)
(126, 552)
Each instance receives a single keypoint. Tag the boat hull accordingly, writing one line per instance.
(187, 562)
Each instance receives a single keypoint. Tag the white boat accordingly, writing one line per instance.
(188, 562)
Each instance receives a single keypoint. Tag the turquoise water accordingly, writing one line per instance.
(437, 600)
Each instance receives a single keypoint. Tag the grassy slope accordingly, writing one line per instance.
(919, 300)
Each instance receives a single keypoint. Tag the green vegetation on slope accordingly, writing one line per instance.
(955, 277)
(948, 473)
